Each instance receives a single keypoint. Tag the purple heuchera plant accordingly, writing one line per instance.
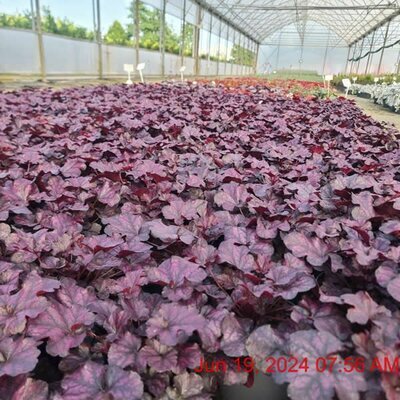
(197, 223)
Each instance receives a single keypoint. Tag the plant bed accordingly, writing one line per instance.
(385, 95)
(146, 230)
(364, 95)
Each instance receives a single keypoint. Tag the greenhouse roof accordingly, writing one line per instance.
(348, 19)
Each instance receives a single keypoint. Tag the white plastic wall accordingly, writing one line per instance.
(19, 52)
(190, 64)
(172, 64)
(114, 58)
(65, 56)
(152, 60)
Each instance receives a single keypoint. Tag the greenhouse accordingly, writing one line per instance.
(207, 37)
(199, 199)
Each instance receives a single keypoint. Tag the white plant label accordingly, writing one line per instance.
(129, 68)
(140, 68)
(347, 84)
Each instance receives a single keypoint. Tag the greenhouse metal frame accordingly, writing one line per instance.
(366, 29)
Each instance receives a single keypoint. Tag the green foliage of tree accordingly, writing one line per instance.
(49, 24)
(241, 55)
(22, 21)
(64, 26)
(188, 42)
(116, 34)
(150, 29)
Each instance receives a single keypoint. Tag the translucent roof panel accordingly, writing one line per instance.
(347, 19)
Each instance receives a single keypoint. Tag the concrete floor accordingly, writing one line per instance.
(377, 111)
(264, 388)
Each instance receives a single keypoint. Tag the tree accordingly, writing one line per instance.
(23, 21)
(150, 29)
(241, 55)
(63, 26)
(188, 43)
(116, 34)
(48, 21)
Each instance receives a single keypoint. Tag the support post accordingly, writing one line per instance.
(197, 41)
(326, 53)
(183, 34)
(33, 14)
(42, 59)
(359, 60)
(383, 48)
(98, 39)
(246, 55)
(369, 54)
(234, 38)
(219, 45)
(347, 60)
(256, 58)
(137, 30)
(301, 56)
(240, 54)
(209, 46)
(352, 58)
(398, 64)
(226, 50)
(278, 51)
(162, 38)
(249, 61)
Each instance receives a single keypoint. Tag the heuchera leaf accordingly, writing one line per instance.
(94, 381)
(126, 224)
(176, 270)
(158, 356)
(14, 308)
(109, 194)
(288, 282)
(23, 388)
(18, 357)
(172, 324)
(124, 352)
(313, 249)
(231, 196)
(363, 308)
(262, 343)
(312, 345)
(234, 334)
(237, 256)
(64, 326)
(178, 210)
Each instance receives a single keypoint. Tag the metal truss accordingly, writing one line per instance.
(347, 21)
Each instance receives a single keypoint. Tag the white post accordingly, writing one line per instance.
(181, 70)
(140, 68)
(328, 79)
